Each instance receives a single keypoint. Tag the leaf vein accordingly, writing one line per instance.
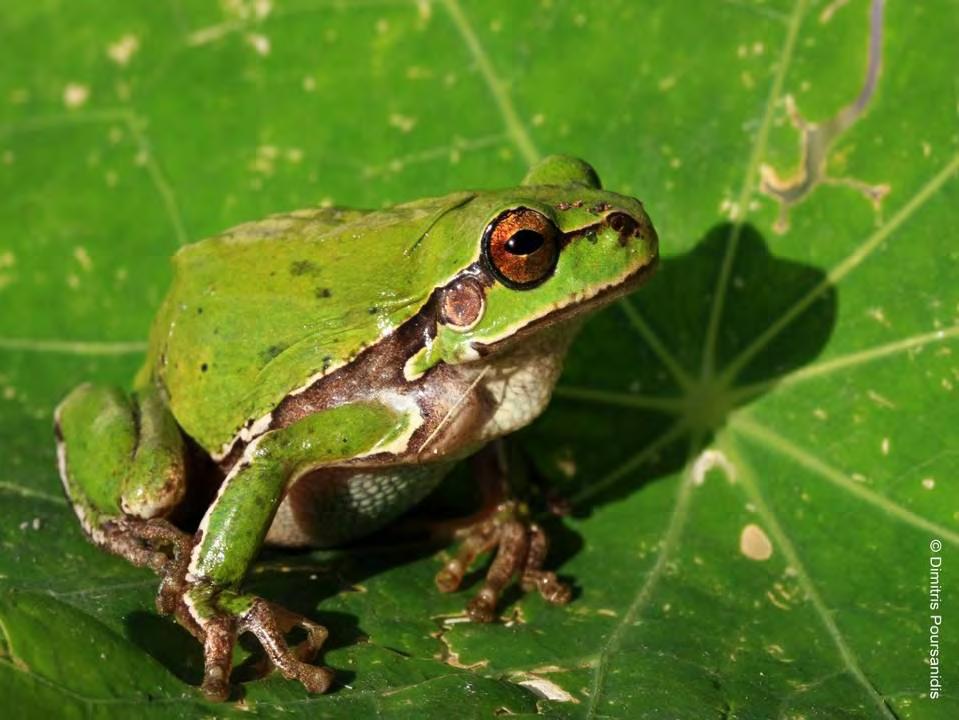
(655, 344)
(781, 445)
(752, 166)
(514, 126)
(671, 539)
(647, 453)
(73, 347)
(621, 399)
(849, 659)
(15, 489)
(861, 357)
(846, 266)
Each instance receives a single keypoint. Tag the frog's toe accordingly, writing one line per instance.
(159, 545)
(521, 548)
(316, 634)
(218, 618)
(510, 558)
(269, 623)
(551, 588)
(480, 539)
(154, 543)
(219, 637)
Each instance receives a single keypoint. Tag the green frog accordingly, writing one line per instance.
(311, 376)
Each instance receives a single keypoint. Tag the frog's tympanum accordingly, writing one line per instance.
(313, 375)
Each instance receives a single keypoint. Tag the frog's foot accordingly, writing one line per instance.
(521, 547)
(154, 543)
(217, 618)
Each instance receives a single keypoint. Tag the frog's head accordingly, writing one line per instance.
(551, 250)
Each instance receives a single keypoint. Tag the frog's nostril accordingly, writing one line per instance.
(623, 224)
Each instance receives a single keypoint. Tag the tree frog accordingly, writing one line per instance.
(311, 376)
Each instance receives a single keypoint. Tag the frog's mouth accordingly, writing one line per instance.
(573, 311)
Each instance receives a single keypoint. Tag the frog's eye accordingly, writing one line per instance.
(521, 247)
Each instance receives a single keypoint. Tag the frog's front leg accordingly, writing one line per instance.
(521, 545)
(122, 462)
(211, 604)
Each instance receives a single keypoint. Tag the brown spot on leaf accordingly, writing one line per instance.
(816, 140)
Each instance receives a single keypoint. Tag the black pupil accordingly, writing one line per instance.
(524, 242)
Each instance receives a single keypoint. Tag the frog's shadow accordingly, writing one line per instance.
(578, 442)
(676, 304)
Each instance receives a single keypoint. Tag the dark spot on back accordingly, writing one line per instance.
(204, 367)
(199, 311)
(271, 352)
(372, 310)
(302, 267)
(323, 292)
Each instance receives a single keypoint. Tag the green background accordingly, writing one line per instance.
(760, 445)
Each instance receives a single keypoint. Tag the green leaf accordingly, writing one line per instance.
(760, 445)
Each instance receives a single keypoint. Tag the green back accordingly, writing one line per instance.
(256, 311)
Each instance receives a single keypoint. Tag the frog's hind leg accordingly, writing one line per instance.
(122, 463)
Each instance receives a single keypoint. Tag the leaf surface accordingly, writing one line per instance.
(760, 446)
